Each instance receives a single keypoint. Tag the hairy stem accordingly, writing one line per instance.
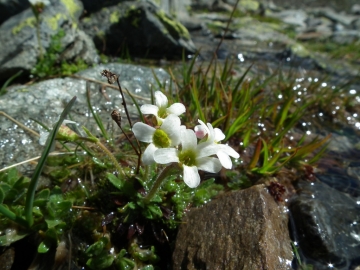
(173, 167)
(112, 157)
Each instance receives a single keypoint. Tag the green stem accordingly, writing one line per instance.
(161, 177)
(38, 37)
(112, 157)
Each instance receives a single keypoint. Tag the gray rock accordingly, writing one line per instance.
(245, 229)
(326, 225)
(19, 49)
(44, 102)
(329, 13)
(345, 36)
(292, 16)
(140, 28)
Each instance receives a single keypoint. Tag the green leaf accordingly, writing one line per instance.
(122, 262)
(49, 241)
(42, 197)
(11, 176)
(2, 195)
(152, 212)
(7, 239)
(115, 181)
(104, 260)
(52, 223)
(148, 267)
(5, 188)
(96, 248)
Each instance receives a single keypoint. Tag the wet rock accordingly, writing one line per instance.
(44, 102)
(338, 179)
(323, 234)
(140, 28)
(19, 48)
(7, 259)
(246, 229)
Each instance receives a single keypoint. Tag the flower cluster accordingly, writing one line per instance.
(173, 143)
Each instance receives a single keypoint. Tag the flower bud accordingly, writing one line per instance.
(66, 134)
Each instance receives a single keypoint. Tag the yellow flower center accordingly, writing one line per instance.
(187, 157)
(161, 139)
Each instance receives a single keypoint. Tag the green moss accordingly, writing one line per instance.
(72, 7)
(249, 5)
(299, 50)
(53, 22)
(133, 14)
(173, 27)
(31, 22)
(114, 17)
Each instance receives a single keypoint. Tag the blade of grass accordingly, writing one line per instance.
(35, 178)
(137, 107)
(256, 156)
(8, 81)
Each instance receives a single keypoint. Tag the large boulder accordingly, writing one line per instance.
(44, 102)
(19, 48)
(138, 28)
(245, 229)
(326, 221)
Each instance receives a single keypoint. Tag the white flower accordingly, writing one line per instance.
(191, 158)
(161, 109)
(214, 136)
(44, 134)
(168, 135)
(42, 2)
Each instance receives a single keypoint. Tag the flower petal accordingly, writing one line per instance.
(149, 109)
(211, 135)
(191, 176)
(228, 150)
(143, 132)
(188, 139)
(209, 164)
(166, 155)
(176, 108)
(171, 126)
(160, 99)
(148, 156)
(206, 149)
(225, 160)
(219, 135)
